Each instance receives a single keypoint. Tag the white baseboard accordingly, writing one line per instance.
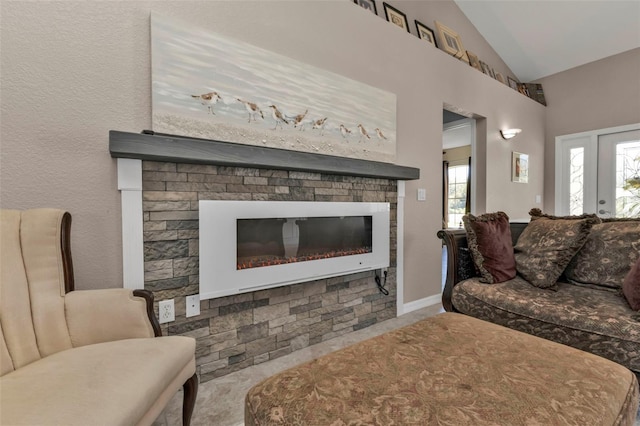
(422, 303)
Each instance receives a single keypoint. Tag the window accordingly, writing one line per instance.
(576, 181)
(627, 189)
(457, 195)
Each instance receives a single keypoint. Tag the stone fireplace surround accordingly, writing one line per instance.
(238, 331)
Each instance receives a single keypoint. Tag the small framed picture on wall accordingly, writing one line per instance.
(370, 5)
(396, 17)
(512, 83)
(519, 167)
(426, 33)
(450, 42)
(474, 61)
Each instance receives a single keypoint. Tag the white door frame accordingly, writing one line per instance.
(590, 141)
(467, 129)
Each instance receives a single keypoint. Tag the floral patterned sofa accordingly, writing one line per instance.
(584, 307)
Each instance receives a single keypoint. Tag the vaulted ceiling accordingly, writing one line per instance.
(544, 37)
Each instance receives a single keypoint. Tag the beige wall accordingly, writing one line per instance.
(71, 71)
(598, 95)
(449, 14)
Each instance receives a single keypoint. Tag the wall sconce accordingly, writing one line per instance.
(509, 133)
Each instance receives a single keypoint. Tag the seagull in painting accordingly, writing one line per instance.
(252, 109)
(277, 116)
(319, 124)
(209, 100)
(380, 135)
(345, 132)
(363, 132)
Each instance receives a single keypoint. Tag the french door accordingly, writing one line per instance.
(599, 172)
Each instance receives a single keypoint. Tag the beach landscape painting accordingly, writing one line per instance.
(211, 86)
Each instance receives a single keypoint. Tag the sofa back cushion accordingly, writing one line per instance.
(32, 313)
(536, 213)
(489, 240)
(610, 251)
(546, 246)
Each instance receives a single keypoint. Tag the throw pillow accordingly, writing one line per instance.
(491, 246)
(631, 287)
(546, 246)
(610, 251)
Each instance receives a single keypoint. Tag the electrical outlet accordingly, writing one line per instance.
(193, 305)
(166, 311)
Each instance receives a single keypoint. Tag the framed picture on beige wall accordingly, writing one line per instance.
(450, 42)
(370, 5)
(486, 68)
(396, 17)
(474, 61)
(512, 83)
(519, 167)
(426, 33)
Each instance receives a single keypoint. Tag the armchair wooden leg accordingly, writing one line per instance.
(190, 391)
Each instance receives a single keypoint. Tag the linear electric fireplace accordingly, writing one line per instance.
(251, 245)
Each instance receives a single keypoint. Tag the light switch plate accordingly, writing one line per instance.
(422, 194)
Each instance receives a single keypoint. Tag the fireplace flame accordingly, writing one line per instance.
(262, 261)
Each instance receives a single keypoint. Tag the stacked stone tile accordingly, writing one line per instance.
(238, 331)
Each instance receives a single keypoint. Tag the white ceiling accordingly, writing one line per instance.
(543, 37)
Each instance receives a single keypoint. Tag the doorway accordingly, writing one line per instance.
(599, 172)
(458, 135)
(457, 170)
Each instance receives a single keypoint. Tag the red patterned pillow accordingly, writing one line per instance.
(631, 287)
(491, 246)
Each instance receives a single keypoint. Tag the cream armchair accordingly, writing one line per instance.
(92, 357)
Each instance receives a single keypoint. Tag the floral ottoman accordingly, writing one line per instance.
(448, 369)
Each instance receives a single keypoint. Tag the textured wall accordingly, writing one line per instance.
(72, 71)
(237, 331)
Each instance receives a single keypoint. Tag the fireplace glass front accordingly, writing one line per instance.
(277, 241)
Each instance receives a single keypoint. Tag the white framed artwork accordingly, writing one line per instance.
(211, 86)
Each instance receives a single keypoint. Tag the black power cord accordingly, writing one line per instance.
(381, 285)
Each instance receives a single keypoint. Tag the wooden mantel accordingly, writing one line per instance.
(179, 149)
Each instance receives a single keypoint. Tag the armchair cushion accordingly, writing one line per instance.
(95, 316)
(113, 383)
(78, 357)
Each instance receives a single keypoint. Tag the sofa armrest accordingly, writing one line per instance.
(95, 316)
(459, 263)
